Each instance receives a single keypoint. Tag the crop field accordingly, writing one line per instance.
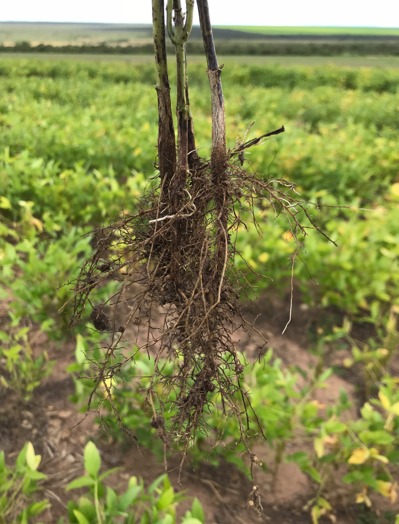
(255, 40)
(312, 30)
(385, 62)
(77, 151)
(70, 32)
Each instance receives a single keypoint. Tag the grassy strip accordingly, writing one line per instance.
(380, 62)
(312, 30)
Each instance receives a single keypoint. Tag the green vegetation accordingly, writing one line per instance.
(22, 498)
(72, 158)
(380, 62)
(313, 30)
(18, 487)
(102, 504)
(77, 147)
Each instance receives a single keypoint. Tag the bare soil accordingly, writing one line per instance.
(58, 432)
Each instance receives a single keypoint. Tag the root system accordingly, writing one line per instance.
(174, 261)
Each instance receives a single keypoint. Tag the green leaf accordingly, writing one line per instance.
(197, 511)
(300, 458)
(145, 519)
(23, 518)
(166, 499)
(154, 485)
(80, 517)
(80, 350)
(325, 375)
(92, 459)
(314, 474)
(111, 499)
(38, 507)
(167, 519)
(108, 473)
(35, 475)
(191, 520)
(334, 426)
(21, 459)
(81, 482)
(380, 437)
(129, 497)
(2, 461)
(87, 507)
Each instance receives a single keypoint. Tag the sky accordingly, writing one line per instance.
(362, 13)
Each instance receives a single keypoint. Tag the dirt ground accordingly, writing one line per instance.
(59, 432)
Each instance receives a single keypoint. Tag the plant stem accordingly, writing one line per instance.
(166, 133)
(219, 154)
(179, 28)
(97, 503)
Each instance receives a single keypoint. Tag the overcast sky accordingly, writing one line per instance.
(366, 13)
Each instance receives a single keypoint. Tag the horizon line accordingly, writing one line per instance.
(215, 25)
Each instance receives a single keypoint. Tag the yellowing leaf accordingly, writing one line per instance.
(382, 353)
(375, 455)
(288, 236)
(319, 447)
(320, 509)
(384, 400)
(32, 459)
(359, 456)
(363, 498)
(395, 189)
(4, 203)
(38, 224)
(387, 490)
(388, 426)
(330, 440)
(395, 409)
(315, 513)
(252, 263)
(108, 385)
(347, 362)
(317, 404)
(263, 257)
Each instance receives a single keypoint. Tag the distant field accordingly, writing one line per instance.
(12, 32)
(385, 62)
(233, 40)
(334, 31)
(43, 32)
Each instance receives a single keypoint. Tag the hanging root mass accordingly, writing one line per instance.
(179, 289)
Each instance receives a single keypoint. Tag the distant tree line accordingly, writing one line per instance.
(299, 47)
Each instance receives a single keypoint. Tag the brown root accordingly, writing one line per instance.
(179, 290)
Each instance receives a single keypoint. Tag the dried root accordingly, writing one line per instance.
(179, 289)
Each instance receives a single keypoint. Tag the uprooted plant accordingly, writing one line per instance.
(178, 295)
